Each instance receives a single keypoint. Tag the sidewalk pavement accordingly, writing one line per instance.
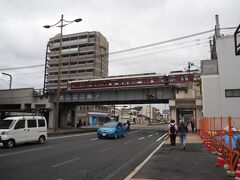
(193, 163)
(66, 131)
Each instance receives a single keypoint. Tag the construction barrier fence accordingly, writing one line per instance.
(221, 135)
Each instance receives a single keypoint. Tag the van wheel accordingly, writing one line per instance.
(41, 140)
(10, 143)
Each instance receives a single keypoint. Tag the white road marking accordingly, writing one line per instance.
(156, 133)
(150, 135)
(162, 137)
(133, 132)
(141, 138)
(144, 162)
(75, 135)
(94, 139)
(128, 142)
(107, 149)
(25, 151)
(66, 162)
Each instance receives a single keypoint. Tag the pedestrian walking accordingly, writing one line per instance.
(128, 125)
(183, 130)
(173, 133)
(192, 125)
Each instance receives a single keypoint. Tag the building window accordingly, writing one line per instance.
(232, 92)
(89, 70)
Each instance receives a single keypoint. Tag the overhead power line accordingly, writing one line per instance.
(125, 50)
(162, 42)
(23, 67)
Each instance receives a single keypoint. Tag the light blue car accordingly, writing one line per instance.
(111, 130)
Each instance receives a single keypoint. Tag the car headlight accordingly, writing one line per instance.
(4, 133)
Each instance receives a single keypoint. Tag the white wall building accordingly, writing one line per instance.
(221, 81)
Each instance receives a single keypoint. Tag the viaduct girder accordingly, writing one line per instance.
(141, 95)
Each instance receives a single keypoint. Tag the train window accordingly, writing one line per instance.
(139, 82)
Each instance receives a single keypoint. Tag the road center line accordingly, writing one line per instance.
(150, 135)
(141, 138)
(107, 149)
(94, 139)
(156, 133)
(25, 151)
(66, 162)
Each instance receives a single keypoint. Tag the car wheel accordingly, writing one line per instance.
(99, 137)
(124, 134)
(116, 136)
(10, 143)
(41, 140)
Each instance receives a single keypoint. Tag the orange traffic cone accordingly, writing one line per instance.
(205, 139)
(220, 161)
(237, 176)
(208, 145)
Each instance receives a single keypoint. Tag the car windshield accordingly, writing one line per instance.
(6, 124)
(111, 124)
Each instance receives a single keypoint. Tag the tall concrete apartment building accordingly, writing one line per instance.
(84, 56)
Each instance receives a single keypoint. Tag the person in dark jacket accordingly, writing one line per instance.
(172, 132)
(183, 130)
(128, 125)
(192, 125)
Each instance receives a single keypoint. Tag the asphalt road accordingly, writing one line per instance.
(80, 156)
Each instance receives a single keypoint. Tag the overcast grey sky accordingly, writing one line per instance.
(125, 23)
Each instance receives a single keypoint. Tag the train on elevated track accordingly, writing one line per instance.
(175, 78)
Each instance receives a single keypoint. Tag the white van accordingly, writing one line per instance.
(23, 129)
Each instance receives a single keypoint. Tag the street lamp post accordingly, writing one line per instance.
(10, 84)
(59, 63)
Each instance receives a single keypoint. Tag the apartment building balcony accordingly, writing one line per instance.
(71, 43)
(72, 59)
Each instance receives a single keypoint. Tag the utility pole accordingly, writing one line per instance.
(59, 63)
